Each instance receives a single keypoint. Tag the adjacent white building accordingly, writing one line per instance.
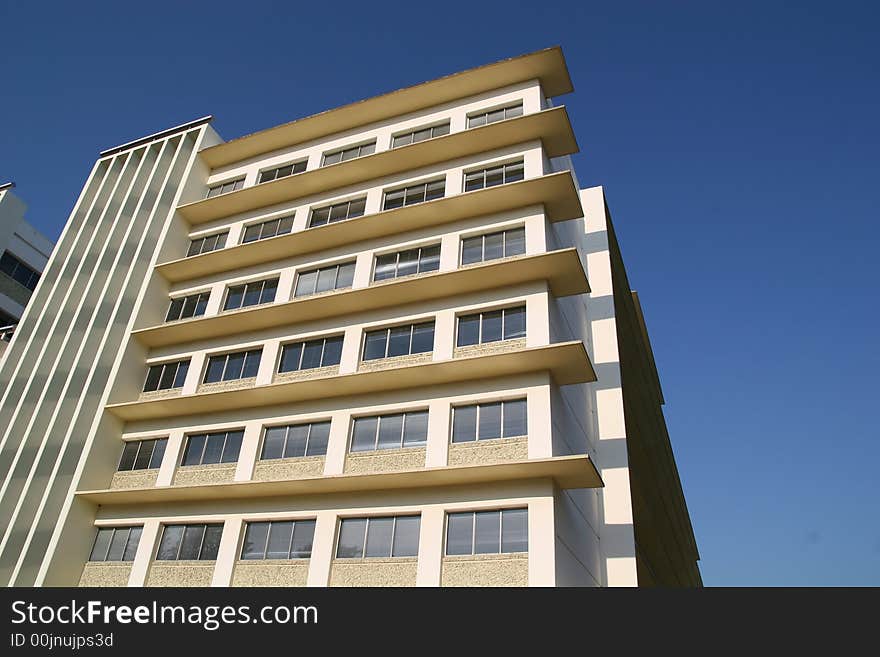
(389, 344)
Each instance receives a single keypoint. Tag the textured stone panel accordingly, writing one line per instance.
(497, 347)
(292, 468)
(235, 384)
(193, 475)
(489, 451)
(385, 460)
(180, 573)
(271, 572)
(135, 479)
(300, 375)
(396, 361)
(399, 571)
(485, 570)
(103, 573)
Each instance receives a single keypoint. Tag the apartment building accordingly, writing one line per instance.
(24, 252)
(391, 344)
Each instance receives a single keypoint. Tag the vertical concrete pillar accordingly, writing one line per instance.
(227, 552)
(430, 547)
(351, 350)
(250, 451)
(363, 270)
(235, 232)
(449, 252)
(537, 319)
(194, 373)
(542, 542)
(437, 452)
(140, 567)
(540, 422)
(285, 285)
(215, 300)
(268, 362)
(171, 458)
(444, 334)
(322, 549)
(337, 443)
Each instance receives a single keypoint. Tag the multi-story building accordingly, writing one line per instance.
(24, 252)
(389, 344)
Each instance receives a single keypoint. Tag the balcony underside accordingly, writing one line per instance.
(567, 362)
(547, 66)
(550, 126)
(561, 269)
(576, 471)
(556, 192)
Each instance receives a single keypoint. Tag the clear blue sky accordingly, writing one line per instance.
(738, 145)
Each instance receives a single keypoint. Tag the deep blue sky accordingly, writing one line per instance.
(738, 145)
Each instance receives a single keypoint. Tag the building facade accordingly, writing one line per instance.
(24, 252)
(388, 344)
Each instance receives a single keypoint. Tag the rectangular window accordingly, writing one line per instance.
(405, 263)
(216, 447)
(483, 118)
(330, 214)
(185, 307)
(421, 134)
(426, 191)
(334, 277)
(507, 419)
(296, 440)
(189, 542)
(502, 244)
(18, 271)
(278, 539)
(166, 376)
(492, 326)
(282, 172)
(391, 431)
(230, 367)
(116, 544)
(200, 245)
(399, 341)
(254, 293)
(393, 536)
(322, 352)
(487, 532)
(142, 454)
(267, 229)
(491, 176)
(226, 187)
(349, 153)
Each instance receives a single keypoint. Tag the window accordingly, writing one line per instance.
(349, 153)
(166, 376)
(229, 367)
(334, 277)
(216, 447)
(491, 176)
(399, 341)
(207, 244)
(18, 271)
(142, 454)
(295, 440)
(394, 536)
(251, 294)
(226, 187)
(483, 118)
(322, 352)
(492, 326)
(487, 532)
(391, 431)
(189, 542)
(405, 263)
(502, 244)
(407, 138)
(427, 191)
(267, 229)
(116, 543)
(330, 214)
(185, 307)
(507, 419)
(282, 172)
(279, 539)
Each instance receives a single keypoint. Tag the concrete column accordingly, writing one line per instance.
(374, 201)
(215, 300)
(449, 252)
(363, 270)
(235, 233)
(171, 458)
(300, 219)
(542, 542)
(444, 334)
(351, 350)
(322, 549)
(438, 434)
(227, 552)
(194, 373)
(337, 443)
(144, 554)
(285, 285)
(540, 422)
(533, 160)
(268, 362)
(430, 547)
(250, 451)
(537, 319)
(536, 233)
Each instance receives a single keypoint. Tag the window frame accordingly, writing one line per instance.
(283, 220)
(140, 443)
(412, 186)
(378, 417)
(485, 311)
(290, 557)
(33, 276)
(113, 530)
(412, 325)
(260, 281)
(486, 112)
(204, 525)
(345, 149)
(411, 133)
(206, 434)
(366, 535)
(485, 169)
(232, 181)
(317, 271)
(330, 207)
(293, 164)
(503, 232)
(397, 254)
(198, 295)
(163, 365)
(225, 355)
(473, 513)
(287, 427)
(217, 243)
(304, 342)
(477, 405)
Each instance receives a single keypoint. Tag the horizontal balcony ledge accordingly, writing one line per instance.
(577, 471)
(551, 126)
(546, 66)
(557, 192)
(561, 269)
(567, 363)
